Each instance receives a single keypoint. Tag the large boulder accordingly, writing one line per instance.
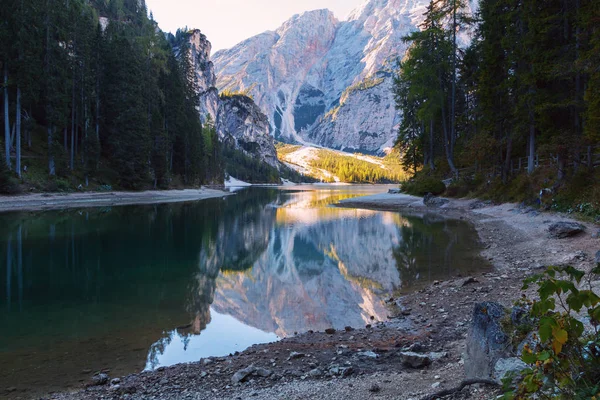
(487, 342)
(433, 201)
(562, 230)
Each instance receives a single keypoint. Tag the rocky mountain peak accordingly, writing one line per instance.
(239, 122)
(324, 81)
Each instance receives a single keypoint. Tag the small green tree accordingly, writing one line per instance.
(564, 356)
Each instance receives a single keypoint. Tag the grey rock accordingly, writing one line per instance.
(415, 360)
(100, 379)
(466, 281)
(115, 381)
(240, 123)
(477, 205)
(238, 120)
(330, 331)
(368, 354)
(596, 235)
(486, 341)
(562, 230)
(374, 388)
(263, 372)
(243, 374)
(435, 385)
(505, 366)
(394, 191)
(295, 355)
(340, 371)
(415, 348)
(598, 257)
(433, 201)
(316, 373)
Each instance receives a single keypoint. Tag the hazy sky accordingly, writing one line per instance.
(228, 22)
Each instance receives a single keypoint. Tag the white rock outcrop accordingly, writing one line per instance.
(239, 122)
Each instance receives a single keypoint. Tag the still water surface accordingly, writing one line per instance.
(139, 287)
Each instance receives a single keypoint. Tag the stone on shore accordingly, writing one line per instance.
(243, 374)
(433, 201)
(562, 230)
(415, 360)
(598, 257)
(486, 341)
(99, 380)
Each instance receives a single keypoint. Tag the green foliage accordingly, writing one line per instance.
(351, 169)
(233, 93)
(423, 184)
(564, 356)
(8, 184)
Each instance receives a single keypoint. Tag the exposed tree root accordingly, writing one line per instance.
(464, 384)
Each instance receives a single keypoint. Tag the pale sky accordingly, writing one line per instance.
(228, 22)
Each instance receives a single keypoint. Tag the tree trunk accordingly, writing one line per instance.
(6, 118)
(51, 165)
(453, 111)
(507, 161)
(18, 133)
(431, 148)
(447, 144)
(531, 144)
(72, 155)
(578, 91)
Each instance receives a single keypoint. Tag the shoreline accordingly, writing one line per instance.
(364, 363)
(59, 201)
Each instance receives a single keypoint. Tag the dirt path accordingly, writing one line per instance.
(367, 363)
(54, 201)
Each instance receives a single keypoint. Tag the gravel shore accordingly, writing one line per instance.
(58, 201)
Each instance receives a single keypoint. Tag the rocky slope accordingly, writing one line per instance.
(324, 81)
(239, 122)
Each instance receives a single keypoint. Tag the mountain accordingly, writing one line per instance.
(238, 121)
(324, 81)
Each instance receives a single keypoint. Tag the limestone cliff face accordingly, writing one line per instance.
(237, 119)
(204, 76)
(240, 122)
(366, 120)
(304, 74)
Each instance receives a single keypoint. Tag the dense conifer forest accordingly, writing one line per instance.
(94, 94)
(515, 112)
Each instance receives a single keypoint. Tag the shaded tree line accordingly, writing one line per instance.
(94, 86)
(528, 84)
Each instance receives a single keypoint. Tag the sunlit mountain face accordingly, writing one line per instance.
(135, 288)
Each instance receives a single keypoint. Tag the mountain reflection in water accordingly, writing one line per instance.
(133, 288)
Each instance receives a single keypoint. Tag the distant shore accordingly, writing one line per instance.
(57, 201)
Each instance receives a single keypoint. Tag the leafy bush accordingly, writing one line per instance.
(420, 186)
(563, 356)
(8, 184)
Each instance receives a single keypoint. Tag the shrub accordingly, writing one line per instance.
(8, 184)
(420, 186)
(564, 356)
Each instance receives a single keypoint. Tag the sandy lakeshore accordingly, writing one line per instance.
(364, 364)
(55, 201)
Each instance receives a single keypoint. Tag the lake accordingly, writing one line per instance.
(134, 288)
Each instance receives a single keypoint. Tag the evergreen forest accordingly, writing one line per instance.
(95, 94)
(514, 112)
